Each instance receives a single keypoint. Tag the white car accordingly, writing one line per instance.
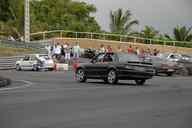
(175, 57)
(35, 62)
(171, 56)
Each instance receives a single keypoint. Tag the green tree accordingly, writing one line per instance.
(47, 15)
(12, 17)
(181, 33)
(121, 22)
(63, 14)
(4, 10)
(149, 32)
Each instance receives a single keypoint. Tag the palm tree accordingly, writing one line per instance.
(182, 33)
(121, 23)
(149, 32)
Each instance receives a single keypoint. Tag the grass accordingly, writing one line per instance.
(6, 51)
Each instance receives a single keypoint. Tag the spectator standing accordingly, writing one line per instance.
(102, 49)
(130, 50)
(67, 53)
(57, 51)
(62, 58)
(137, 51)
(155, 52)
(142, 54)
(76, 51)
(119, 49)
(62, 50)
(109, 49)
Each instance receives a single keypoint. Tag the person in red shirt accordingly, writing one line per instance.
(130, 49)
(109, 49)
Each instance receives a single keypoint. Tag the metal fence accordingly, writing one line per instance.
(8, 62)
(105, 36)
(35, 45)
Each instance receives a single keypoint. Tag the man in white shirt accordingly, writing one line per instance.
(57, 51)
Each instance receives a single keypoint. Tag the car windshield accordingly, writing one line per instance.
(156, 59)
(128, 57)
(45, 57)
(165, 55)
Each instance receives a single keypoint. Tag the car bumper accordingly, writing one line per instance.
(125, 74)
(166, 70)
(46, 66)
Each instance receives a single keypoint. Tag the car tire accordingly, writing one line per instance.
(81, 76)
(18, 67)
(35, 68)
(156, 72)
(140, 82)
(169, 73)
(183, 72)
(112, 77)
(50, 69)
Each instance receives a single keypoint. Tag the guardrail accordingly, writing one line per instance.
(105, 36)
(8, 62)
(35, 45)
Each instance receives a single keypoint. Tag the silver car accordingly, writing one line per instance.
(35, 62)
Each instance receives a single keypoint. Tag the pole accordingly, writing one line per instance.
(27, 22)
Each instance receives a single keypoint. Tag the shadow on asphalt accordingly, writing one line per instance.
(100, 83)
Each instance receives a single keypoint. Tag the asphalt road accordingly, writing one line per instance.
(55, 100)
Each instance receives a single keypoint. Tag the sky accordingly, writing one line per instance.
(163, 15)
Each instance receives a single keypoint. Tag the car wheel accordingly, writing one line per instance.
(18, 67)
(35, 68)
(183, 72)
(112, 77)
(156, 72)
(80, 75)
(169, 74)
(140, 82)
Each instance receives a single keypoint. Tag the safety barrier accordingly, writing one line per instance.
(105, 36)
(8, 62)
(61, 67)
(35, 45)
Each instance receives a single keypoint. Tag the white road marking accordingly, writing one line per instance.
(27, 84)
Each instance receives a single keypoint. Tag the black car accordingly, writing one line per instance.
(89, 53)
(112, 67)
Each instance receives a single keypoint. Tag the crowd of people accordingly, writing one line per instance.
(65, 52)
(141, 52)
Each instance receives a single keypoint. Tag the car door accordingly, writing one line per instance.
(93, 68)
(32, 61)
(25, 62)
(99, 67)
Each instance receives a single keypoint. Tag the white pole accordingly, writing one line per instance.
(27, 22)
